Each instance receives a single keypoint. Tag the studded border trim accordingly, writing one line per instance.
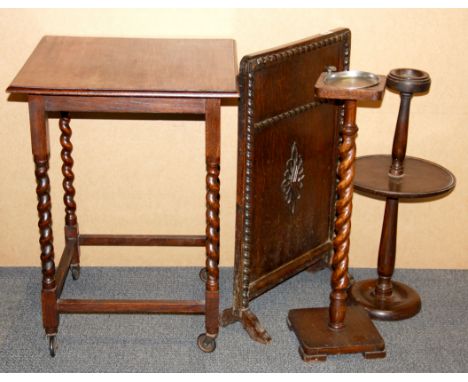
(247, 208)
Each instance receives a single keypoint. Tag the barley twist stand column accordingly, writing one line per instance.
(339, 329)
(395, 177)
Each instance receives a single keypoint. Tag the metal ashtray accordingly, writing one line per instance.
(351, 79)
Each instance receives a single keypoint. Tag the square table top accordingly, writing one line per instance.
(132, 67)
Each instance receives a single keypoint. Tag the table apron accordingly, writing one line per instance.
(125, 104)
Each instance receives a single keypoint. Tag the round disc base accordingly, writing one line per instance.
(404, 302)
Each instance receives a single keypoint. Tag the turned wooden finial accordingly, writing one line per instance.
(406, 82)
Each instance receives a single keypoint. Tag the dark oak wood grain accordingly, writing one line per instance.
(421, 179)
(213, 163)
(41, 153)
(64, 65)
(394, 177)
(118, 75)
(130, 306)
(64, 264)
(373, 93)
(316, 341)
(144, 240)
(71, 220)
(114, 104)
(344, 208)
(339, 329)
(263, 284)
(287, 157)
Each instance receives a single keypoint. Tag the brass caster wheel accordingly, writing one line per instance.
(203, 275)
(206, 343)
(53, 345)
(75, 271)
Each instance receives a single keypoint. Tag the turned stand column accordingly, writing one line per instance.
(395, 177)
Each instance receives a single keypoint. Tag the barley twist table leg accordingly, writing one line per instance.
(206, 341)
(212, 228)
(71, 224)
(212, 249)
(67, 147)
(45, 224)
(40, 149)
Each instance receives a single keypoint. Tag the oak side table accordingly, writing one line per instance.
(132, 75)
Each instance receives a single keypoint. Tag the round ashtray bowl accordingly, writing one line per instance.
(408, 80)
(351, 79)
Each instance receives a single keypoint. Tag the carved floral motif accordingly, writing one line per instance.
(293, 177)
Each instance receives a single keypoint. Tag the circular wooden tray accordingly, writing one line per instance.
(421, 178)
